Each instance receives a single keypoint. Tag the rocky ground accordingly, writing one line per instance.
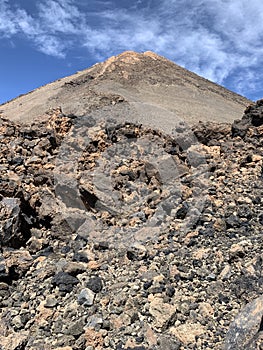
(117, 236)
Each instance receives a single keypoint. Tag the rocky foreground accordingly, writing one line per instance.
(118, 236)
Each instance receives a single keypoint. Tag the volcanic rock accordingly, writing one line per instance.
(253, 116)
(10, 222)
(119, 235)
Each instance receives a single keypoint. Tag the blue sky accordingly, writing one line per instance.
(40, 41)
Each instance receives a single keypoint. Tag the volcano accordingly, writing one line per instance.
(142, 87)
(131, 212)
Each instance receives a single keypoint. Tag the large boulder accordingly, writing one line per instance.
(253, 117)
(10, 233)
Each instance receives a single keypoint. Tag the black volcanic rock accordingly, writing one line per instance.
(95, 284)
(10, 221)
(64, 281)
(253, 117)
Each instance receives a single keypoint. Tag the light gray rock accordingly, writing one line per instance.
(86, 297)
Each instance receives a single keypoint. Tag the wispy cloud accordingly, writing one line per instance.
(16, 21)
(60, 16)
(13, 21)
(233, 30)
(50, 30)
(215, 38)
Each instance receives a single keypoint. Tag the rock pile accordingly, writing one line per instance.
(118, 236)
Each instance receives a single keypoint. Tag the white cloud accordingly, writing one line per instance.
(60, 16)
(123, 32)
(16, 21)
(218, 39)
(13, 21)
(50, 45)
(26, 24)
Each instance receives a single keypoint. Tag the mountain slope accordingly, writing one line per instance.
(144, 87)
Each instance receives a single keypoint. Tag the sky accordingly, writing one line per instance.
(44, 40)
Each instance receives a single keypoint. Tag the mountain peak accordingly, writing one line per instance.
(126, 60)
(132, 56)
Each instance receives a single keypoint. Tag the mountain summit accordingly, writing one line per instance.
(144, 87)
